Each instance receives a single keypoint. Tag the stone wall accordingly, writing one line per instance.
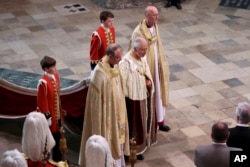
(119, 4)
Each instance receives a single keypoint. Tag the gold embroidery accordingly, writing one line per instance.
(109, 37)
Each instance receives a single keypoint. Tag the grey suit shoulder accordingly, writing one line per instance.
(213, 155)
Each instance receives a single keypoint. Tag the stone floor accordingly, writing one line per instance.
(207, 47)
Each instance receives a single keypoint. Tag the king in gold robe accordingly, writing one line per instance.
(139, 101)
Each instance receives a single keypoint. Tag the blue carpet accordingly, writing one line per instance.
(27, 79)
(242, 4)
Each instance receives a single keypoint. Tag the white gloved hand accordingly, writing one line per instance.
(49, 121)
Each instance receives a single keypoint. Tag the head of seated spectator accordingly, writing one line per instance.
(220, 132)
(243, 113)
(13, 158)
(98, 153)
(240, 134)
(216, 153)
(37, 140)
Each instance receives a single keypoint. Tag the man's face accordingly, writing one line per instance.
(141, 52)
(51, 70)
(108, 23)
(117, 58)
(152, 17)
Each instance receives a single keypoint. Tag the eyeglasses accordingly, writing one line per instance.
(117, 57)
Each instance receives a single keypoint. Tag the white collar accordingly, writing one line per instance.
(105, 28)
(51, 76)
(242, 125)
(219, 143)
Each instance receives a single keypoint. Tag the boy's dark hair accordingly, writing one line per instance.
(47, 62)
(104, 15)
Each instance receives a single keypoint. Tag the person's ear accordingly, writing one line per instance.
(228, 134)
(237, 118)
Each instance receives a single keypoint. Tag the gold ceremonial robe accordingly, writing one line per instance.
(134, 73)
(105, 111)
(142, 31)
(140, 113)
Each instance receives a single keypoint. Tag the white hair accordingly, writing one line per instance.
(36, 136)
(243, 112)
(138, 42)
(13, 158)
(98, 152)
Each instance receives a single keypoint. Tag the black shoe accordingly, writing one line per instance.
(169, 3)
(164, 128)
(126, 158)
(139, 157)
(178, 6)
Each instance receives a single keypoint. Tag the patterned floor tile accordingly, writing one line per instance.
(180, 159)
(233, 82)
(176, 68)
(235, 4)
(192, 131)
(161, 162)
(69, 9)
